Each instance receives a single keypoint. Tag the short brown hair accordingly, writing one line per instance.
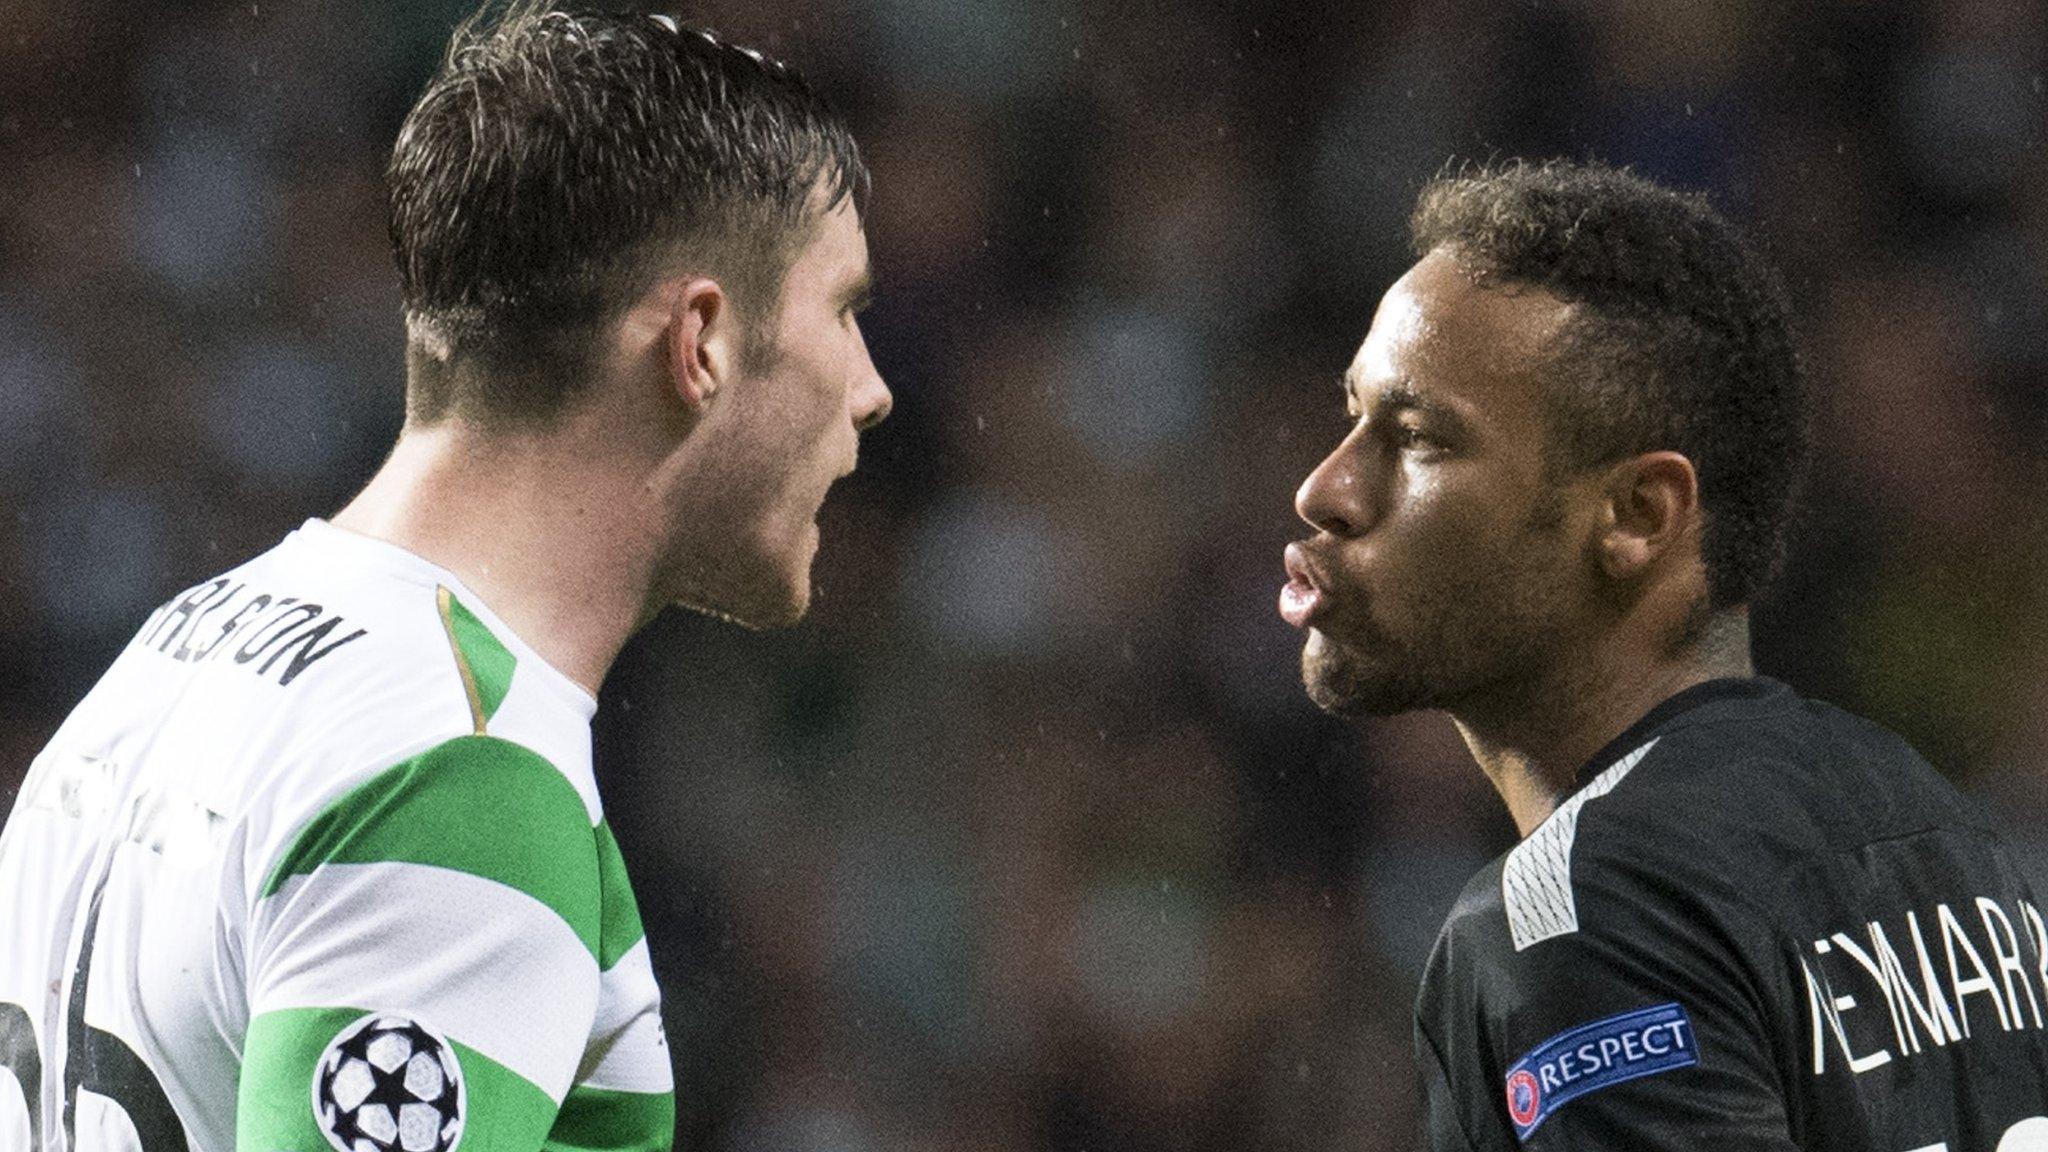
(558, 160)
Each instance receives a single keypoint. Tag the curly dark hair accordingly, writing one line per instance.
(1682, 339)
(558, 160)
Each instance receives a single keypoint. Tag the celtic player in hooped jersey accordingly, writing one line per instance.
(325, 786)
(321, 863)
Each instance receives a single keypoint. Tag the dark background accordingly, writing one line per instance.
(1028, 839)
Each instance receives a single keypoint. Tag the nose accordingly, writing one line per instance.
(876, 408)
(871, 399)
(1335, 497)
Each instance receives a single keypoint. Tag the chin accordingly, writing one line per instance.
(766, 598)
(1343, 683)
(783, 613)
(763, 608)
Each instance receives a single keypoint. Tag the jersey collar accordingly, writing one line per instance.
(1706, 700)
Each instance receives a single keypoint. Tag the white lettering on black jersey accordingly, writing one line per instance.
(1762, 924)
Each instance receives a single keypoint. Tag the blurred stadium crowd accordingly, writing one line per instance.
(1029, 840)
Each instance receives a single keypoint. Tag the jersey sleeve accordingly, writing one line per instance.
(1637, 1027)
(423, 960)
(1443, 1121)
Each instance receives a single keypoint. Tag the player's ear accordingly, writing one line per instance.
(702, 344)
(1652, 506)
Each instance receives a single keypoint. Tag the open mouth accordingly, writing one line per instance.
(1301, 600)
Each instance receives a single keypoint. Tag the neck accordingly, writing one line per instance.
(546, 527)
(1533, 741)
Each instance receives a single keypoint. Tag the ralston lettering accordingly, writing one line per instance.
(220, 617)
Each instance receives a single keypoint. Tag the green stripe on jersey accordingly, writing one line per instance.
(476, 804)
(487, 664)
(601, 1120)
(490, 662)
(622, 927)
(502, 1110)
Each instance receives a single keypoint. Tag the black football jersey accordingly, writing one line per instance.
(1760, 923)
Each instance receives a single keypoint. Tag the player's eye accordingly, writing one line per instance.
(1414, 438)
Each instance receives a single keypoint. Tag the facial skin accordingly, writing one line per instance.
(1447, 569)
(779, 423)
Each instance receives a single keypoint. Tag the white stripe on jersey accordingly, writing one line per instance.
(442, 946)
(1536, 881)
(628, 1053)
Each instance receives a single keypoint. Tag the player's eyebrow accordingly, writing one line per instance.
(1402, 395)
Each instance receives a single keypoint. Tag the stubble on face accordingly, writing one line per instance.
(1444, 556)
(785, 436)
(1443, 638)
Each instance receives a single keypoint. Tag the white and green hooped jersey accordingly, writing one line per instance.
(320, 864)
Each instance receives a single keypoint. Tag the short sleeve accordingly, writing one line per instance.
(1636, 1041)
(423, 960)
(1639, 1028)
(1444, 1121)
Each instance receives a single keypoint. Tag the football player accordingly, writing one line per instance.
(321, 862)
(1737, 918)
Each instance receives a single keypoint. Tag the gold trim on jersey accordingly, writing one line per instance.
(444, 601)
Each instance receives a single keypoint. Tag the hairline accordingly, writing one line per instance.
(1622, 377)
(1549, 364)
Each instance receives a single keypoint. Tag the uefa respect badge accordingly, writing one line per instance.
(1594, 1056)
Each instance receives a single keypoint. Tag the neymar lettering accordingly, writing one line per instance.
(1891, 991)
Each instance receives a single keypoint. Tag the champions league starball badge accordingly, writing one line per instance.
(387, 1083)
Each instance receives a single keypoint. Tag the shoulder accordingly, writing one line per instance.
(1681, 845)
(477, 806)
(1773, 760)
(334, 651)
(461, 878)
(1728, 803)
(1651, 863)
(452, 737)
(426, 663)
